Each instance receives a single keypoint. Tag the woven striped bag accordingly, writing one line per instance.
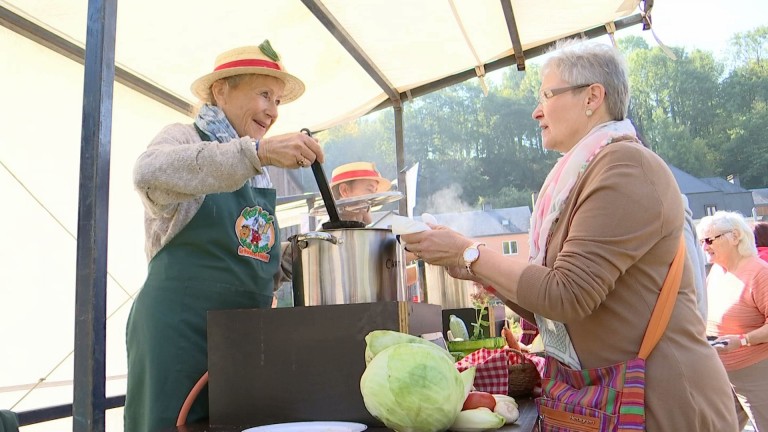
(612, 398)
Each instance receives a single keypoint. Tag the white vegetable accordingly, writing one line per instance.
(505, 398)
(412, 387)
(507, 409)
(478, 419)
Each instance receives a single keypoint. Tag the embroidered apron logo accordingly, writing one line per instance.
(256, 232)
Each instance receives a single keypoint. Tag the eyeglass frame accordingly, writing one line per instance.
(709, 240)
(546, 95)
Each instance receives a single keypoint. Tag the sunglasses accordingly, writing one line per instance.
(710, 240)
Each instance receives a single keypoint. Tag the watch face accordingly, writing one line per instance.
(471, 255)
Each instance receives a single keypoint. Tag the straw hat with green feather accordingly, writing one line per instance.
(260, 60)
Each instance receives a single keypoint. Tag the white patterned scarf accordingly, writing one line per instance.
(549, 203)
(212, 121)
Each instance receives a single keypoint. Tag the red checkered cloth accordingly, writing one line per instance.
(491, 370)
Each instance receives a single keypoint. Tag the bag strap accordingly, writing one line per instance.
(665, 304)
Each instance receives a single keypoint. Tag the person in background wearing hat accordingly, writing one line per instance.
(212, 240)
(357, 179)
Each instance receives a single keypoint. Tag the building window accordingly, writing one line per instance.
(509, 247)
(710, 209)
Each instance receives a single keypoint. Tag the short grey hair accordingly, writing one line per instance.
(727, 222)
(579, 62)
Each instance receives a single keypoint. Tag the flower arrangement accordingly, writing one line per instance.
(480, 301)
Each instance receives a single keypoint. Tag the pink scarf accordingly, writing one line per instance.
(555, 191)
(559, 182)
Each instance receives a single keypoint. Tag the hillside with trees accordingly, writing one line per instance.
(704, 115)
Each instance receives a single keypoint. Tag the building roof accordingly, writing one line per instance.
(723, 185)
(483, 223)
(689, 184)
(760, 196)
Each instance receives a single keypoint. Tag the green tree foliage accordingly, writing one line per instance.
(745, 153)
(698, 113)
(751, 48)
(674, 102)
(744, 99)
(368, 139)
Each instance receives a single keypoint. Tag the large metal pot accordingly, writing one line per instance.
(444, 290)
(345, 266)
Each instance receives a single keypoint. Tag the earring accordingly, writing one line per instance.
(589, 112)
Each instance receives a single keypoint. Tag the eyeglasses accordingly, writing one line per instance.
(545, 95)
(710, 240)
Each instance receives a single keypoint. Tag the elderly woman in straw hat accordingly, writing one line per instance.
(212, 240)
(357, 179)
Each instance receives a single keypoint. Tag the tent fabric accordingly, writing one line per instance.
(410, 42)
(171, 43)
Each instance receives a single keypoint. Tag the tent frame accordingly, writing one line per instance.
(98, 58)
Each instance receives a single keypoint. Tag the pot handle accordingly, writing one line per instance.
(318, 235)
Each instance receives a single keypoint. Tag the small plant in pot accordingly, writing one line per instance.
(480, 301)
(480, 337)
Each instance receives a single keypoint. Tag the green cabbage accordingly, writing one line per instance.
(379, 340)
(412, 387)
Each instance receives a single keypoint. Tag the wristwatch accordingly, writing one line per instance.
(743, 340)
(470, 255)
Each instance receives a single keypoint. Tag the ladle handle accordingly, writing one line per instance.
(325, 190)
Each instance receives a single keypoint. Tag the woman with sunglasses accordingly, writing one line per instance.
(737, 287)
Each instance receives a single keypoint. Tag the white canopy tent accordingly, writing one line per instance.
(354, 56)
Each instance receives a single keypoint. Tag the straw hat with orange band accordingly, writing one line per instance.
(260, 60)
(359, 171)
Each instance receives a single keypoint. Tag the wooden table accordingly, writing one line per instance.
(526, 422)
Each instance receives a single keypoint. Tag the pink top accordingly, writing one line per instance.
(738, 304)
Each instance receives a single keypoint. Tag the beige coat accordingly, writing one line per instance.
(607, 257)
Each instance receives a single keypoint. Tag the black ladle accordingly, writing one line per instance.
(335, 221)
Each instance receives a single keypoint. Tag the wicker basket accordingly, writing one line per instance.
(523, 376)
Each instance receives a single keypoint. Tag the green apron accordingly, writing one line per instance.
(225, 258)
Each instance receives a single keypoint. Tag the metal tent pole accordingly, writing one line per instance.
(400, 151)
(93, 209)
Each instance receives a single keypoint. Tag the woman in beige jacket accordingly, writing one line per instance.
(605, 228)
